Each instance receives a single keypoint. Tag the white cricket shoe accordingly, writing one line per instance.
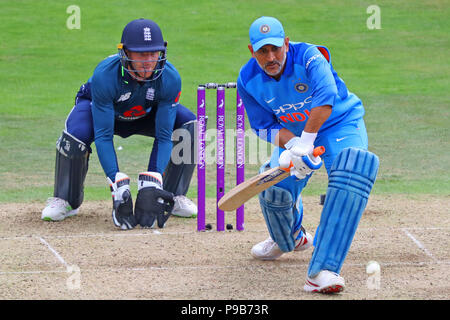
(184, 207)
(269, 250)
(325, 282)
(57, 210)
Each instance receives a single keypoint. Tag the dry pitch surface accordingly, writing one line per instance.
(85, 257)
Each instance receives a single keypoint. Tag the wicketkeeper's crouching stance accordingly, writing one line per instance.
(294, 98)
(136, 91)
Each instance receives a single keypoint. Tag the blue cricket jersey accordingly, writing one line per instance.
(116, 96)
(308, 81)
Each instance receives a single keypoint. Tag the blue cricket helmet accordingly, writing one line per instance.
(142, 35)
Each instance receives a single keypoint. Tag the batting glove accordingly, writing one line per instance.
(299, 156)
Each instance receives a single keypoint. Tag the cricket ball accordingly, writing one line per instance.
(373, 267)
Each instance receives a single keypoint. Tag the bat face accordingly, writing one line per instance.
(249, 188)
(266, 178)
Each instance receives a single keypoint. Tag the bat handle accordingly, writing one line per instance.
(318, 151)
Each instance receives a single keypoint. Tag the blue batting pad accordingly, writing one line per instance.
(277, 207)
(351, 178)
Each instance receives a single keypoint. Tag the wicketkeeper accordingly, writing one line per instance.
(295, 99)
(136, 91)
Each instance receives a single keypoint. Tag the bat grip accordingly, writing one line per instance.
(318, 151)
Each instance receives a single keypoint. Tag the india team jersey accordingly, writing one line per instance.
(117, 97)
(308, 81)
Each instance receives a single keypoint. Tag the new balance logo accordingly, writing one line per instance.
(124, 97)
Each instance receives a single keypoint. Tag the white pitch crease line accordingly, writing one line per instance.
(419, 244)
(32, 272)
(57, 255)
(241, 267)
(193, 232)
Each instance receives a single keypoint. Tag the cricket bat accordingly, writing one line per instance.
(251, 187)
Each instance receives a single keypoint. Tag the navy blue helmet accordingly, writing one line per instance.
(142, 35)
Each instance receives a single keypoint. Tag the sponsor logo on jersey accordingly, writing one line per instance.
(293, 112)
(292, 106)
(314, 57)
(124, 97)
(133, 113)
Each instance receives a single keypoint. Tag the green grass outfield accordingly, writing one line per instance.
(401, 72)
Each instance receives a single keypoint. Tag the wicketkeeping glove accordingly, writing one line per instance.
(153, 204)
(122, 212)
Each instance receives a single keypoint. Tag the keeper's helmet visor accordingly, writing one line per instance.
(142, 35)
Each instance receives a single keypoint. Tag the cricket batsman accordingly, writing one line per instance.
(135, 91)
(295, 99)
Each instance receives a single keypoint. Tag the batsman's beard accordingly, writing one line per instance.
(280, 66)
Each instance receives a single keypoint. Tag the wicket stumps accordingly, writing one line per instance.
(220, 153)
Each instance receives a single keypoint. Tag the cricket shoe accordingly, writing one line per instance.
(57, 210)
(269, 250)
(184, 207)
(325, 282)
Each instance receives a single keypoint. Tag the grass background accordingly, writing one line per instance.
(401, 72)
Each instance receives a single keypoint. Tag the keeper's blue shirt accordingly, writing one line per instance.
(116, 96)
(308, 81)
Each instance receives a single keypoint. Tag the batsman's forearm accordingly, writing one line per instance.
(283, 136)
(317, 117)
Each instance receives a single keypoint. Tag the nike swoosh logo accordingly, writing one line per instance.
(340, 139)
(269, 101)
